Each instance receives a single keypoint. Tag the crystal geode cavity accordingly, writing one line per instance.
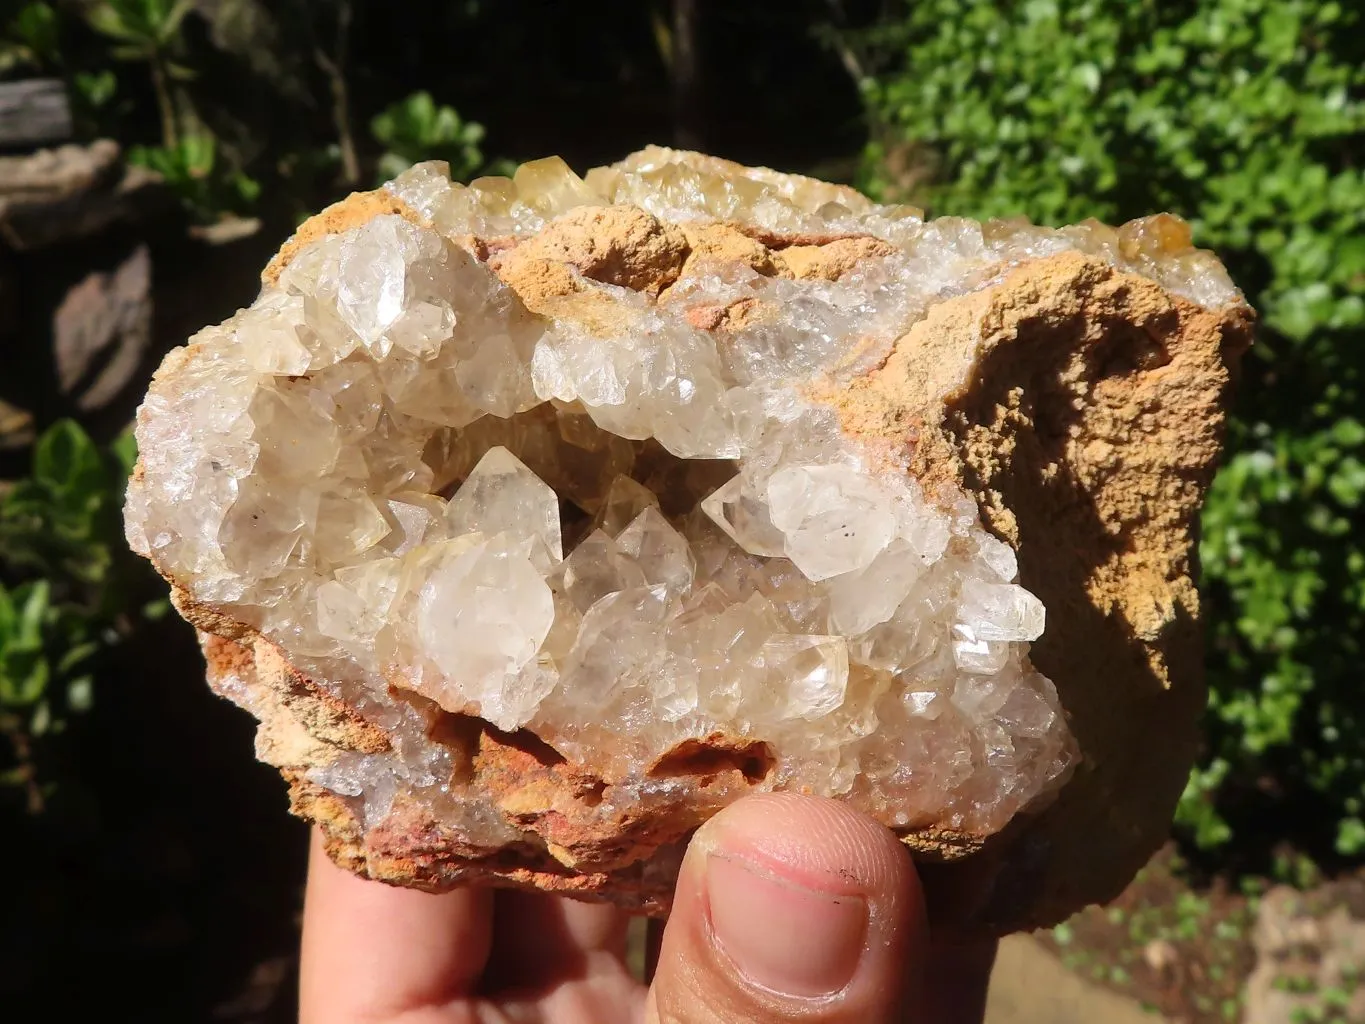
(537, 520)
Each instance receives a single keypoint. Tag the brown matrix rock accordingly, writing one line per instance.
(536, 520)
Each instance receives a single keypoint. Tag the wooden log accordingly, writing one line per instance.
(34, 112)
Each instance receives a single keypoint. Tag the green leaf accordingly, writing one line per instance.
(417, 128)
(144, 30)
(197, 154)
(23, 678)
(1348, 432)
(74, 655)
(106, 19)
(248, 189)
(131, 52)
(33, 37)
(32, 606)
(1350, 840)
(9, 618)
(154, 611)
(124, 450)
(170, 22)
(96, 88)
(68, 461)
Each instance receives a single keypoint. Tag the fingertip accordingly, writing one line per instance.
(793, 906)
(816, 842)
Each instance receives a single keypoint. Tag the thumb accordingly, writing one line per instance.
(790, 908)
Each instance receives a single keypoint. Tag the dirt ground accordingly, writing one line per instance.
(1030, 985)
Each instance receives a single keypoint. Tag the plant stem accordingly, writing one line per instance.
(165, 102)
(685, 76)
(848, 57)
(335, 70)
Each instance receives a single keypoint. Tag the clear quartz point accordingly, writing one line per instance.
(502, 495)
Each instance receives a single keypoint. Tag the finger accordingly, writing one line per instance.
(654, 941)
(556, 959)
(539, 938)
(957, 978)
(791, 908)
(374, 953)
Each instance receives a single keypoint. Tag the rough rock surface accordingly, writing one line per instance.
(71, 192)
(880, 446)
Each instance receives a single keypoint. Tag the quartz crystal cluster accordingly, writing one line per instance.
(558, 454)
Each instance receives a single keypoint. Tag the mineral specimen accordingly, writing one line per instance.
(540, 518)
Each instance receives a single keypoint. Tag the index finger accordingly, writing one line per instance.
(373, 952)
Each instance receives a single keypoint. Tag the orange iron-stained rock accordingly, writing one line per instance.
(539, 519)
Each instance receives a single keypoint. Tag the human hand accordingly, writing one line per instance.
(787, 908)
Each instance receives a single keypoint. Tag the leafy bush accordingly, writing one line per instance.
(192, 171)
(30, 41)
(416, 128)
(1244, 116)
(225, 100)
(67, 583)
(149, 32)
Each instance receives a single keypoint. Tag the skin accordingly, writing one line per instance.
(787, 908)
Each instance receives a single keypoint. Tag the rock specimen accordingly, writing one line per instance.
(537, 520)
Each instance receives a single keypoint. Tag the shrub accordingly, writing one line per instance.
(416, 128)
(192, 172)
(1243, 116)
(67, 582)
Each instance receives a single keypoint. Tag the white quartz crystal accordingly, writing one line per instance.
(616, 531)
(835, 519)
(483, 610)
(501, 495)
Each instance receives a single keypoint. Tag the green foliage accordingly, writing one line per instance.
(58, 519)
(63, 594)
(30, 40)
(1245, 117)
(142, 30)
(1296, 869)
(37, 40)
(192, 171)
(416, 128)
(94, 89)
(252, 101)
(149, 31)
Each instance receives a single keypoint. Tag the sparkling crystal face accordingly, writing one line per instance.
(601, 518)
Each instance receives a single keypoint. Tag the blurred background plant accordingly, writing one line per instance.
(1247, 117)
(67, 592)
(149, 32)
(416, 128)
